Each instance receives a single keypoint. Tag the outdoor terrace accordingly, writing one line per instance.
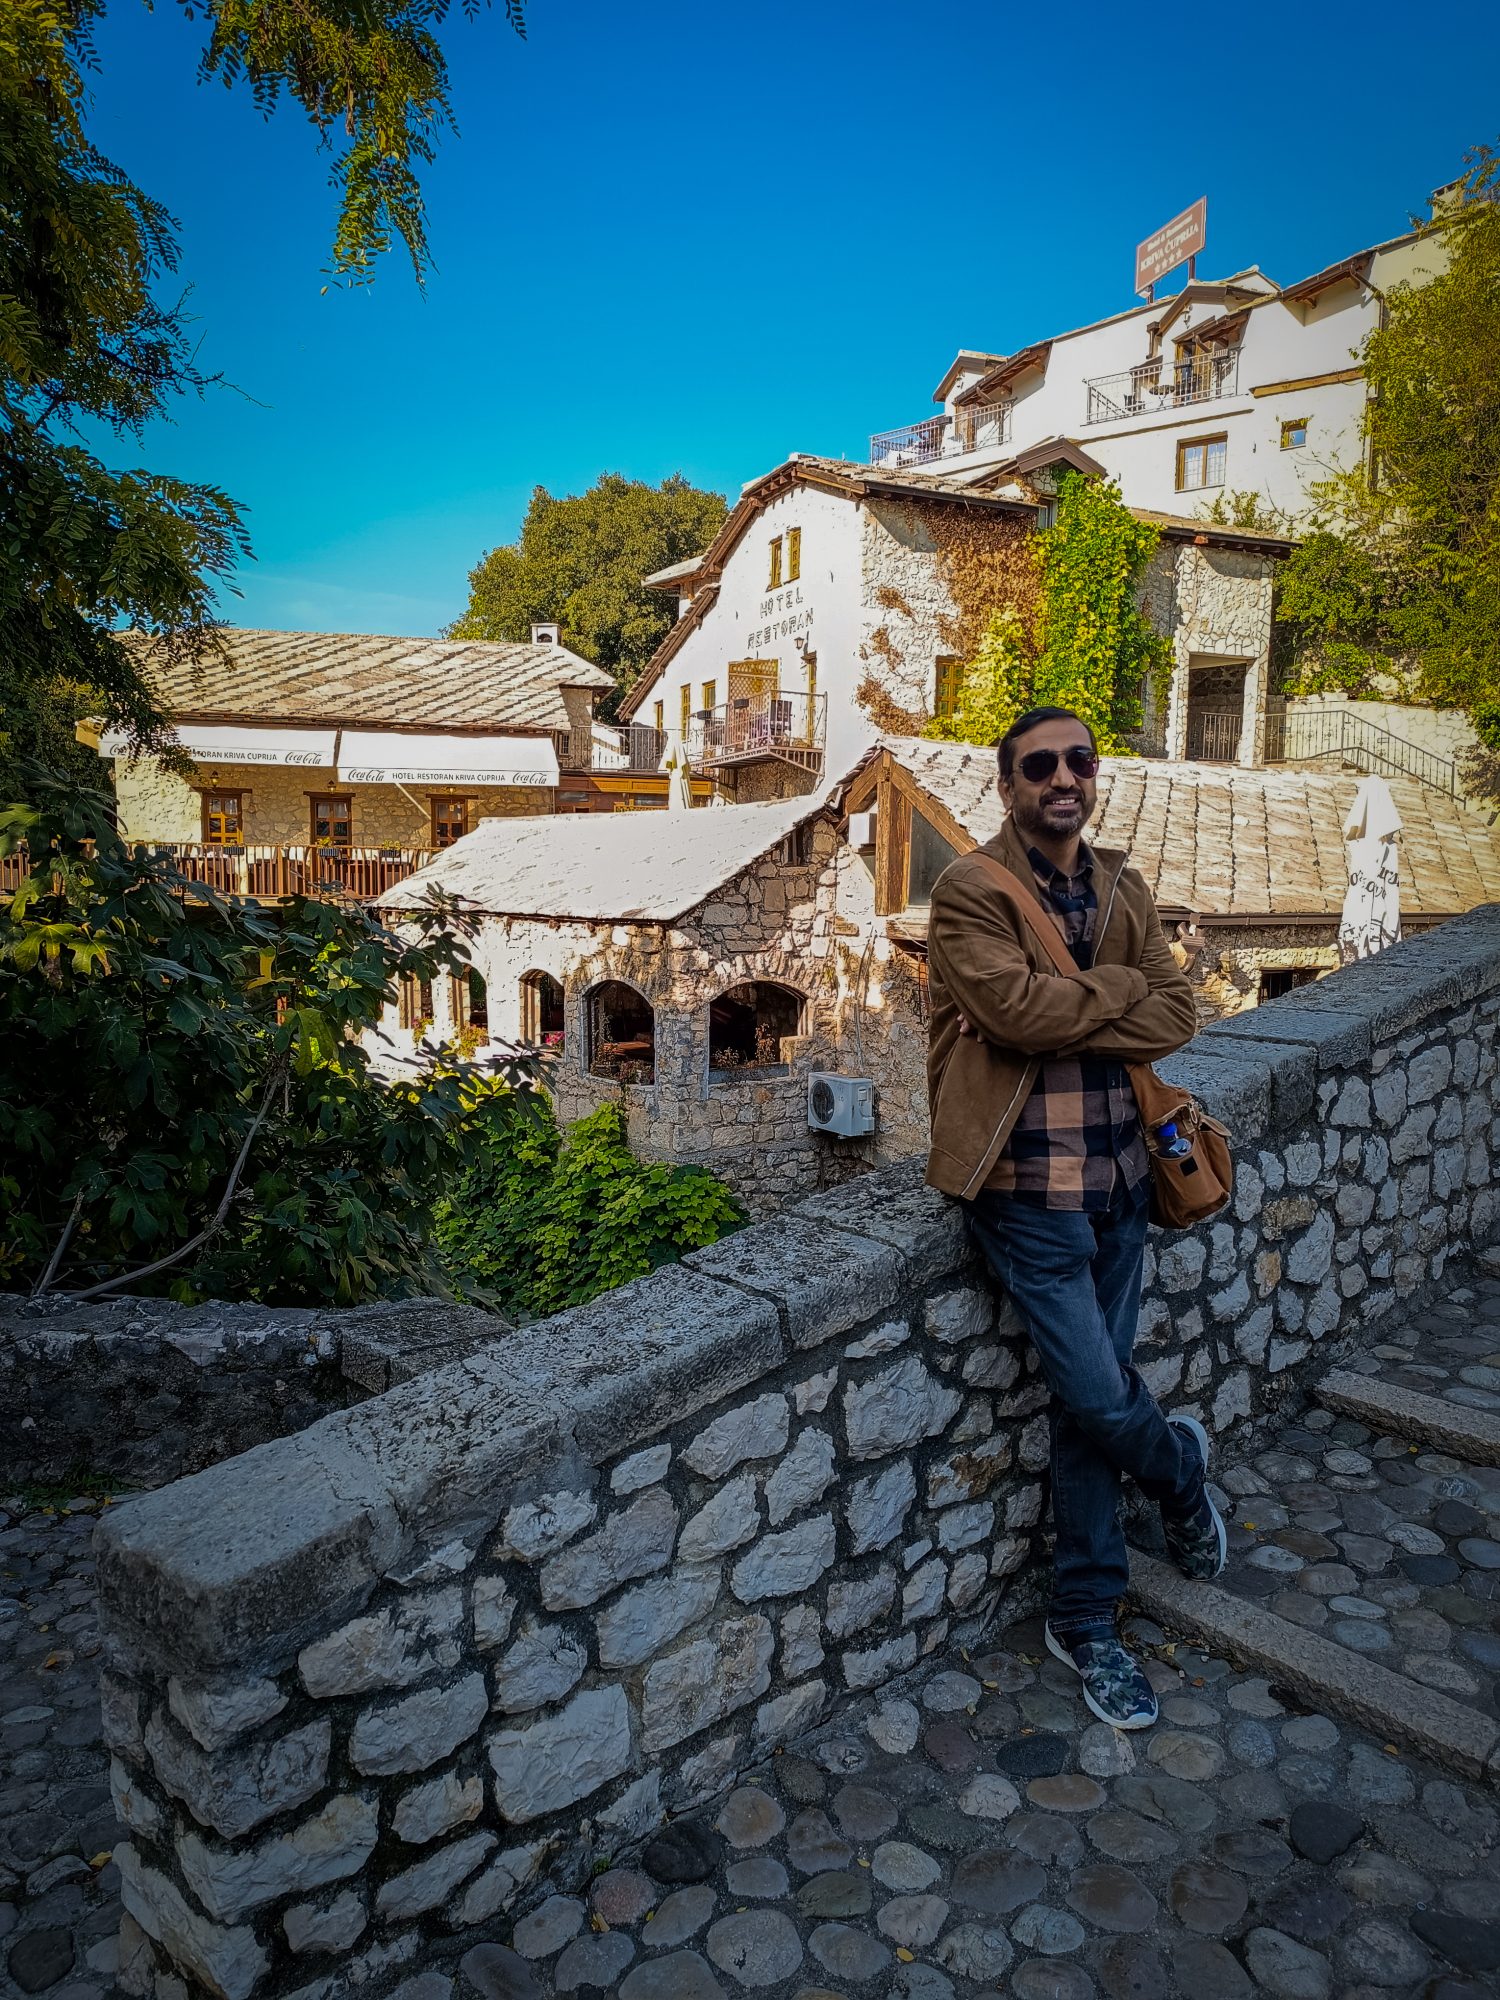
(785, 725)
(608, 746)
(1155, 386)
(270, 872)
(969, 429)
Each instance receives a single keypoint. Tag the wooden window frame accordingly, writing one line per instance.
(953, 677)
(710, 693)
(1203, 444)
(1293, 424)
(314, 800)
(793, 554)
(890, 792)
(686, 706)
(436, 801)
(660, 712)
(235, 792)
(775, 578)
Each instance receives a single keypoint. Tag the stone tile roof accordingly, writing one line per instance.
(1227, 841)
(356, 677)
(642, 867)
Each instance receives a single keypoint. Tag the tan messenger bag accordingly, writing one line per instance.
(1185, 1188)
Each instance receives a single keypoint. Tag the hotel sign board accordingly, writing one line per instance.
(1162, 251)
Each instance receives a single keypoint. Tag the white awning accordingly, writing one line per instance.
(391, 757)
(242, 743)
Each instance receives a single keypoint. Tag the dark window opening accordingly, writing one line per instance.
(1274, 982)
(542, 1011)
(332, 821)
(622, 1034)
(930, 855)
(471, 1001)
(747, 1025)
(414, 1002)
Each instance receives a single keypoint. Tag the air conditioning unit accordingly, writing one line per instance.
(862, 831)
(842, 1105)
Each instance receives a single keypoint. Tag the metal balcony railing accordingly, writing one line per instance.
(973, 427)
(909, 444)
(1153, 386)
(1304, 736)
(977, 426)
(780, 725)
(1213, 735)
(610, 746)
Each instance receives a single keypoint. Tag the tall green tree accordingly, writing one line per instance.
(1397, 587)
(91, 339)
(580, 560)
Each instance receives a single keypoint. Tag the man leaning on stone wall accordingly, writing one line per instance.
(1035, 1129)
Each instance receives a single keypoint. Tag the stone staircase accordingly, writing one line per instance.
(1364, 1572)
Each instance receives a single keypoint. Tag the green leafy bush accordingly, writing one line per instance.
(539, 1220)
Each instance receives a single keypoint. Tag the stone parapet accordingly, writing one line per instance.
(143, 1391)
(373, 1688)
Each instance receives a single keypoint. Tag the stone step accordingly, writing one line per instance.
(1473, 1435)
(1328, 1676)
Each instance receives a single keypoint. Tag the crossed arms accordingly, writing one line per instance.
(1133, 1013)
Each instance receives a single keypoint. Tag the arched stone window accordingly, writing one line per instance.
(542, 1010)
(747, 1025)
(622, 1033)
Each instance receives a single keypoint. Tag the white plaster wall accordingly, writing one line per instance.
(1280, 343)
(750, 621)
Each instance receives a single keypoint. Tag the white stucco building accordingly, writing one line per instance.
(1234, 385)
(839, 603)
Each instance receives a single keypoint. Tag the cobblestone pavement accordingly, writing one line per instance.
(978, 1833)
(1384, 1547)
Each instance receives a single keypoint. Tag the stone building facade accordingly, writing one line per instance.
(896, 574)
(828, 927)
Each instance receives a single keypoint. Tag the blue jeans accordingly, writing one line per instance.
(1076, 1282)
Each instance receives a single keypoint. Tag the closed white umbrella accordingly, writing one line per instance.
(1372, 903)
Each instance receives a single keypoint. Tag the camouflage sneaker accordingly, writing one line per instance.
(1196, 1542)
(1114, 1685)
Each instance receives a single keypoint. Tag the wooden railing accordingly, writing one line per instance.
(270, 872)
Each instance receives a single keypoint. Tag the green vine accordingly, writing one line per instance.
(1086, 644)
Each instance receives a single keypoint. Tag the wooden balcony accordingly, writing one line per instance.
(270, 873)
(779, 724)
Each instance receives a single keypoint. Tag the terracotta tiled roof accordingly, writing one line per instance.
(1227, 841)
(353, 677)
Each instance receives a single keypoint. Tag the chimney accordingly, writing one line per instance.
(546, 635)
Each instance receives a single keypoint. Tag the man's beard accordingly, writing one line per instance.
(1033, 819)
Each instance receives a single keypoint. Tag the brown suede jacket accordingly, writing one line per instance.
(984, 963)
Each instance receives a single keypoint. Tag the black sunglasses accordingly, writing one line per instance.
(1038, 765)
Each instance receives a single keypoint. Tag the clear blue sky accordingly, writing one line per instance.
(699, 237)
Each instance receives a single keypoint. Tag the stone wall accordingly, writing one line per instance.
(137, 1392)
(373, 1688)
(158, 805)
(1216, 605)
(809, 926)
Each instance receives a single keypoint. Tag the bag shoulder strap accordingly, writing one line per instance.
(1156, 1100)
(1034, 915)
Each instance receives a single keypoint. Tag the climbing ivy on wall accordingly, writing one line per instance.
(1059, 622)
(1098, 648)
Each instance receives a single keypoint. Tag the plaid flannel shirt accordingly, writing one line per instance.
(1079, 1134)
